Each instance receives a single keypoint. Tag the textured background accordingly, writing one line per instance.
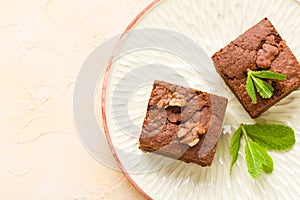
(43, 45)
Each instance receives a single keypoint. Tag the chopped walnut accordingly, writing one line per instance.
(194, 142)
(164, 102)
(190, 140)
(201, 130)
(172, 100)
(194, 131)
(185, 129)
(189, 133)
(182, 132)
(177, 100)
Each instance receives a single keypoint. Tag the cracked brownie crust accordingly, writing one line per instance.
(259, 48)
(182, 123)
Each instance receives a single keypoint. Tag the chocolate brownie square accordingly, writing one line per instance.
(182, 123)
(259, 48)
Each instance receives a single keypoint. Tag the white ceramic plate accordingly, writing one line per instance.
(127, 86)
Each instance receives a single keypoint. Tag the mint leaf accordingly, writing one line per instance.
(269, 75)
(267, 164)
(254, 159)
(235, 146)
(258, 137)
(264, 89)
(250, 89)
(271, 136)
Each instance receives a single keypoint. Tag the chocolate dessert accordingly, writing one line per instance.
(182, 123)
(259, 48)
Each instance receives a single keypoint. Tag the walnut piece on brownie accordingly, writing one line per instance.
(182, 123)
(259, 48)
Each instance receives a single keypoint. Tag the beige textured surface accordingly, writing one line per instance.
(43, 44)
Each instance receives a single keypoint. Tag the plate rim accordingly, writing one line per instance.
(104, 91)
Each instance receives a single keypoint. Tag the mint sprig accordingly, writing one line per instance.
(260, 137)
(271, 136)
(264, 89)
(235, 146)
(257, 158)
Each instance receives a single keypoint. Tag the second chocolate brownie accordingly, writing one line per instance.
(259, 48)
(183, 123)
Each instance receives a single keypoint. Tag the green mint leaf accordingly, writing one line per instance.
(253, 157)
(254, 160)
(250, 89)
(235, 146)
(264, 89)
(269, 75)
(271, 136)
(267, 164)
(258, 137)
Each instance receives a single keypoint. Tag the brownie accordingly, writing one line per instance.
(259, 48)
(182, 123)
